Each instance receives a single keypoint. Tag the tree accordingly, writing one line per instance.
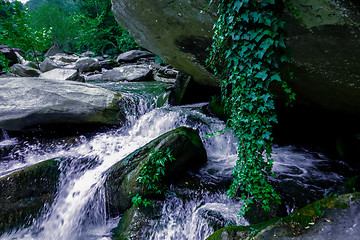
(16, 32)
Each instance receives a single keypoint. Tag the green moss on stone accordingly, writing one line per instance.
(290, 226)
(24, 193)
(217, 108)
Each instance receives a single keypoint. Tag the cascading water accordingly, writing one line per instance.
(199, 204)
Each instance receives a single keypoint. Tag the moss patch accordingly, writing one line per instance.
(24, 193)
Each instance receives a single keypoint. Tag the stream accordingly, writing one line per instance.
(199, 205)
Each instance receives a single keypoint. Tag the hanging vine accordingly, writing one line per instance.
(248, 48)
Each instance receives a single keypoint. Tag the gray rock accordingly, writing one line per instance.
(25, 71)
(7, 75)
(64, 60)
(180, 87)
(160, 78)
(26, 103)
(94, 67)
(133, 55)
(53, 51)
(129, 73)
(164, 73)
(48, 65)
(121, 180)
(94, 77)
(109, 64)
(68, 58)
(87, 54)
(63, 74)
(83, 64)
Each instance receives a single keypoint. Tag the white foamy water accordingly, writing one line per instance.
(79, 212)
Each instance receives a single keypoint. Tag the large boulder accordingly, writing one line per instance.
(130, 73)
(24, 193)
(27, 103)
(63, 74)
(323, 39)
(25, 71)
(121, 180)
(178, 31)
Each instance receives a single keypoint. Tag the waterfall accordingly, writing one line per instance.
(78, 211)
(5, 140)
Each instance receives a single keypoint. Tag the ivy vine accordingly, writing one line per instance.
(152, 175)
(248, 48)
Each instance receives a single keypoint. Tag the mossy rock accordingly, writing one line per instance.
(217, 109)
(351, 185)
(135, 223)
(121, 179)
(24, 193)
(334, 216)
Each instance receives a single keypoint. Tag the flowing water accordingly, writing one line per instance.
(200, 204)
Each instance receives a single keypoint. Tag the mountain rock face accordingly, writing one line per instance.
(323, 39)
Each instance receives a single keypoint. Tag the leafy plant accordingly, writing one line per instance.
(152, 174)
(138, 201)
(4, 63)
(248, 48)
(153, 171)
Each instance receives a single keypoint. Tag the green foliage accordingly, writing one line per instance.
(153, 171)
(49, 15)
(4, 63)
(138, 201)
(247, 51)
(152, 174)
(82, 25)
(16, 32)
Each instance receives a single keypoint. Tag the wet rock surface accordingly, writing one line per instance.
(27, 103)
(24, 193)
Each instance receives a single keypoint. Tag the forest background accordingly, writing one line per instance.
(74, 26)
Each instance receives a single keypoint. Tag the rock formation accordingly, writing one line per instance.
(323, 39)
